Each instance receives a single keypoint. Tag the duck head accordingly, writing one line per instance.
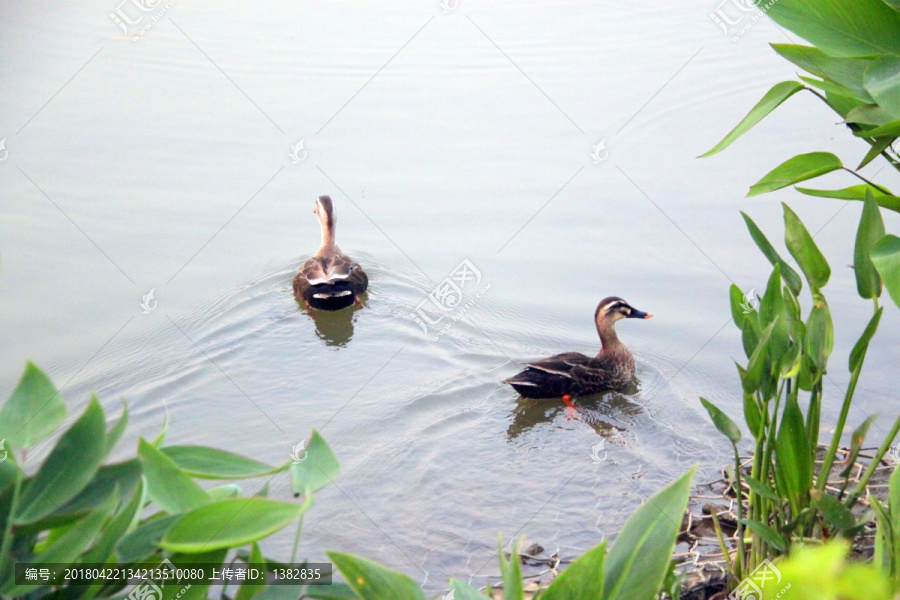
(324, 212)
(609, 311)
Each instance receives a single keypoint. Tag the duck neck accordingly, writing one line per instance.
(328, 246)
(609, 339)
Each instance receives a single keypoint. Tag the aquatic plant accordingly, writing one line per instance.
(855, 65)
(76, 510)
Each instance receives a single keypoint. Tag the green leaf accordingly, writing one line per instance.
(886, 258)
(756, 367)
(210, 463)
(167, 485)
(739, 305)
(791, 278)
(819, 333)
(773, 98)
(841, 27)
(335, 591)
(836, 514)
(804, 250)
(862, 344)
(582, 579)
(33, 411)
(115, 433)
(891, 129)
(856, 441)
(796, 169)
(869, 114)
(793, 454)
(638, 560)
(143, 541)
(871, 228)
(123, 476)
(880, 145)
(511, 571)
(882, 81)
(840, 98)
(848, 72)
(752, 414)
(464, 591)
(761, 489)
(317, 469)
(723, 422)
(230, 523)
(115, 530)
(768, 534)
(856, 192)
(229, 490)
(894, 498)
(67, 469)
(372, 581)
(252, 587)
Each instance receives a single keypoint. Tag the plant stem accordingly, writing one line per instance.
(296, 539)
(839, 428)
(8, 533)
(873, 464)
(741, 557)
(874, 185)
(728, 564)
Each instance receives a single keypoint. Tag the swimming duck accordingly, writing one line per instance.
(574, 374)
(330, 280)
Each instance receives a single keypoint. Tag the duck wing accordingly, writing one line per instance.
(565, 364)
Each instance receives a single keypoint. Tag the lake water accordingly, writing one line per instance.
(166, 158)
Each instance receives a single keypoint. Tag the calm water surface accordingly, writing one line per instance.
(165, 163)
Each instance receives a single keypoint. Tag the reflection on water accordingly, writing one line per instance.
(334, 327)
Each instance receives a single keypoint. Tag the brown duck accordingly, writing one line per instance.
(573, 373)
(330, 280)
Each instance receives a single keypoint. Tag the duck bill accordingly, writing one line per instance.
(639, 314)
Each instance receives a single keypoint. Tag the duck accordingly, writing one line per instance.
(574, 374)
(330, 280)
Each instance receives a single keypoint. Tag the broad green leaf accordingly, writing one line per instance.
(856, 192)
(836, 514)
(791, 278)
(862, 344)
(639, 558)
(317, 468)
(895, 4)
(464, 591)
(841, 102)
(511, 571)
(252, 587)
(752, 414)
(773, 98)
(886, 258)
(230, 523)
(210, 463)
(67, 469)
(882, 81)
(819, 333)
(871, 228)
(143, 541)
(741, 306)
(229, 490)
(122, 478)
(167, 485)
(115, 433)
(335, 591)
(194, 591)
(880, 145)
(582, 579)
(768, 534)
(761, 489)
(841, 27)
(372, 581)
(756, 366)
(796, 169)
(793, 454)
(67, 547)
(847, 72)
(891, 129)
(804, 250)
(114, 531)
(33, 411)
(869, 114)
(723, 422)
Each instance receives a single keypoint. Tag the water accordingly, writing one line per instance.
(164, 164)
